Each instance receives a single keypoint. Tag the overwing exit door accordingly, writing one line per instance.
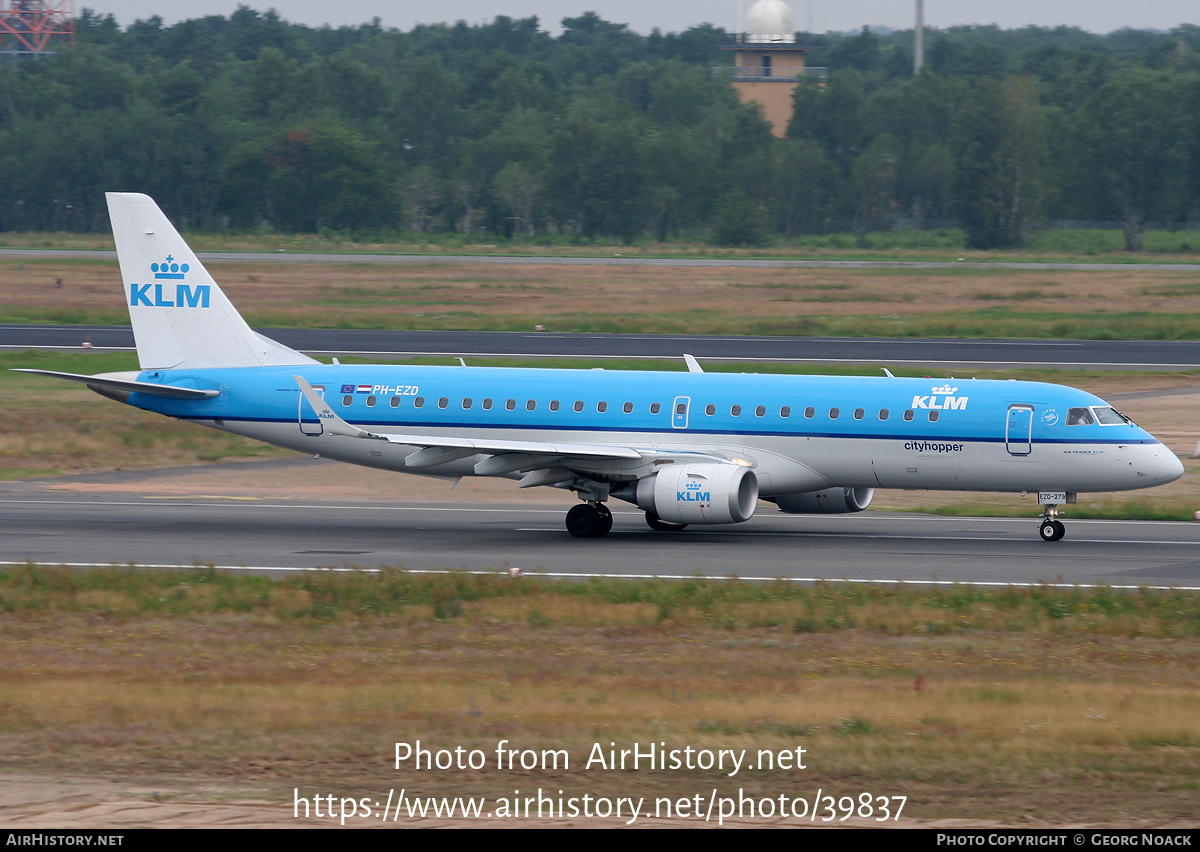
(679, 414)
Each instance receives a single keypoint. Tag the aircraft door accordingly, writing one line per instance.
(679, 414)
(307, 418)
(1018, 430)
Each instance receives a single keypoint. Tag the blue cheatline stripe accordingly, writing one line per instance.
(376, 424)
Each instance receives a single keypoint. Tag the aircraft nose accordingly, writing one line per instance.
(1161, 465)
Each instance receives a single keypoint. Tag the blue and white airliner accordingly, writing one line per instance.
(686, 447)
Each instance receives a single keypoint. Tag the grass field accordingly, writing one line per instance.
(943, 244)
(1012, 706)
(1131, 303)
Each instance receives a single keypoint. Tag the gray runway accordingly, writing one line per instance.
(79, 528)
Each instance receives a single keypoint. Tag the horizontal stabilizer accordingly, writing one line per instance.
(112, 383)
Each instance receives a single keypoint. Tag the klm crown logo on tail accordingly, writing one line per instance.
(185, 296)
(170, 269)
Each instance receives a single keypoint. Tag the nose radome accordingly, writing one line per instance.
(1161, 465)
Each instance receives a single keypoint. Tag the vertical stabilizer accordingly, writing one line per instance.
(180, 317)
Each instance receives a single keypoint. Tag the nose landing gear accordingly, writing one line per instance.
(1051, 528)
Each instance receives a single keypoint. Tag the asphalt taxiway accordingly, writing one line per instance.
(911, 352)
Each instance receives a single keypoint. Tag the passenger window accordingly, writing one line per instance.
(710, 409)
(395, 403)
(833, 414)
(531, 405)
(933, 416)
(511, 405)
(443, 402)
(1079, 417)
(602, 407)
(371, 401)
(883, 414)
(579, 405)
(736, 411)
(858, 414)
(681, 408)
(908, 415)
(554, 405)
(347, 399)
(785, 412)
(487, 405)
(655, 408)
(760, 411)
(419, 402)
(467, 404)
(809, 412)
(628, 408)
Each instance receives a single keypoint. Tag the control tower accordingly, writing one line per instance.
(768, 61)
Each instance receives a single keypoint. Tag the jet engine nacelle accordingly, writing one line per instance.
(829, 501)
(700, 494)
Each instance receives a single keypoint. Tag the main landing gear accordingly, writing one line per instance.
(593, 520)
(589, 520)
(1051, 528)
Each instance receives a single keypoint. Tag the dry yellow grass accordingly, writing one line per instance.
(400, 295)
(984, 724)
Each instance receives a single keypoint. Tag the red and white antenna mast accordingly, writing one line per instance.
(36, 27)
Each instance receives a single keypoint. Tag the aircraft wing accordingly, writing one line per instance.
(543, 460)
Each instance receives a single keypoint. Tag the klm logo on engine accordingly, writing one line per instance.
(947, 403)
(183, 295)
(692, 493)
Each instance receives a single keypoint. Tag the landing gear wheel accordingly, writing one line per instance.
(1052, 530)
(589, 521)
(658, 525)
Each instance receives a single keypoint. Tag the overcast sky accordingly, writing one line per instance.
(673, 16)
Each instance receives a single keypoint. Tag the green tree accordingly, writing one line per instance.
(308, 178)
(1000, 149)
(1134, 142)
(805, 187)
(738, 220)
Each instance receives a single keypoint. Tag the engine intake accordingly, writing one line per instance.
(829, 501)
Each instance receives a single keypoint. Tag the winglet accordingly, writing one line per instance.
(334, 425)
(692, 364)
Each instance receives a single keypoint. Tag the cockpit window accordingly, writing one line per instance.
(1080, 417)
(1109, 416)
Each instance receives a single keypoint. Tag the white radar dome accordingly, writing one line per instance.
(770, 21)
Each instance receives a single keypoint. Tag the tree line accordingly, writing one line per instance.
(500, 129)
